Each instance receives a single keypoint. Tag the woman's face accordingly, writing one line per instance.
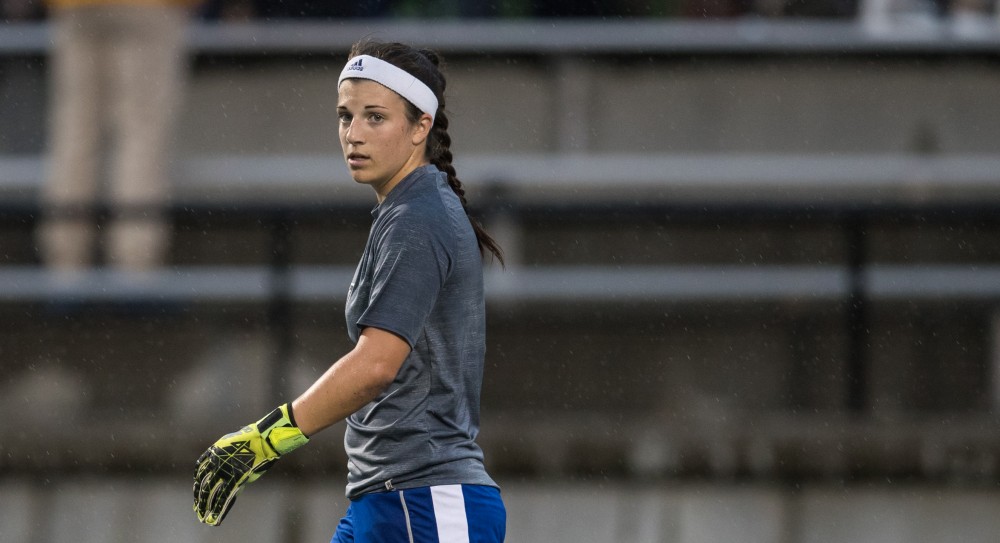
(381, 146)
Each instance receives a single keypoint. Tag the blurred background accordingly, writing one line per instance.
(752, 293)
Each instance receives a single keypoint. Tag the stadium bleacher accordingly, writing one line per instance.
(775, 313)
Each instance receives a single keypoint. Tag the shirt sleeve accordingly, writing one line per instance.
(411, 266)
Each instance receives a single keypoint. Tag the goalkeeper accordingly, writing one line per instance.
(409, 389)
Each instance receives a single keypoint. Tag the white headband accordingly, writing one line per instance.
(392, 77)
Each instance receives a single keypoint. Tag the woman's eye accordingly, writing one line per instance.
(344, 118)
(376, 117)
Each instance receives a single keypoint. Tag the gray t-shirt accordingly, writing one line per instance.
(420, 278)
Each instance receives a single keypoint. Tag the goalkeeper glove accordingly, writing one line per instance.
(240, 458)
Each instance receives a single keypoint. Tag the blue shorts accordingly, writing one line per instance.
(430, 514)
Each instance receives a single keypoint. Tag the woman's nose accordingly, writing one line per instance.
(353, 132)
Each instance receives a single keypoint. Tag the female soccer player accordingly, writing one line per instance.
(410, 387)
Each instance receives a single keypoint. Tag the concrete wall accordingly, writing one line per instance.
(635, 104)
(604, 103)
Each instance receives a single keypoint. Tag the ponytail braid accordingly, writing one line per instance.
(424, 64)
(439, 154)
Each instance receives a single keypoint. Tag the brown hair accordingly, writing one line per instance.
(424, 64)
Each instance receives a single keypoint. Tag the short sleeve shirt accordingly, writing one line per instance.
(421, 278)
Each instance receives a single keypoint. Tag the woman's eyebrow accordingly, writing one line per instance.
(371, 106)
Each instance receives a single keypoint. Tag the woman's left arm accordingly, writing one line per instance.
(351, 382)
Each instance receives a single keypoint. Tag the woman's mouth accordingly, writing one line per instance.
(356, 160)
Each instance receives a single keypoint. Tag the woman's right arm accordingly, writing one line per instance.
(351, 382)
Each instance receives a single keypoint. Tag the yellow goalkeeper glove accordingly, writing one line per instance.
(240, 458)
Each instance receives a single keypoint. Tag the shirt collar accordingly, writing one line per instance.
(403, 186)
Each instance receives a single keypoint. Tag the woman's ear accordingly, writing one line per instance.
(422, 129)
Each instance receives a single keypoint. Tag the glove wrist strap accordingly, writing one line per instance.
(280, 432)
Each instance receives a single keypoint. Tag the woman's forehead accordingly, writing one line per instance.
(366, 92)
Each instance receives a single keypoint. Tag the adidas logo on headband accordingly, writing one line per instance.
(356, 65)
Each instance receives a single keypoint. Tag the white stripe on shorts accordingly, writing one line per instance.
(406, 515)
(449, 512)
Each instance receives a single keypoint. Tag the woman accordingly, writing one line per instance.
(409, 389)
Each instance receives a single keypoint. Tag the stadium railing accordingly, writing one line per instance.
(555, 37)
(844, 189)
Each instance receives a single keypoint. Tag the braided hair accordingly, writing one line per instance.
(424, 64)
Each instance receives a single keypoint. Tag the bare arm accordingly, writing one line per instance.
(353, 381)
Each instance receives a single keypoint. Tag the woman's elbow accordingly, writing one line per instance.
(382, 374)
(383, 354)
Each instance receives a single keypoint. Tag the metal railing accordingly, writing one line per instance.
(563, 37)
